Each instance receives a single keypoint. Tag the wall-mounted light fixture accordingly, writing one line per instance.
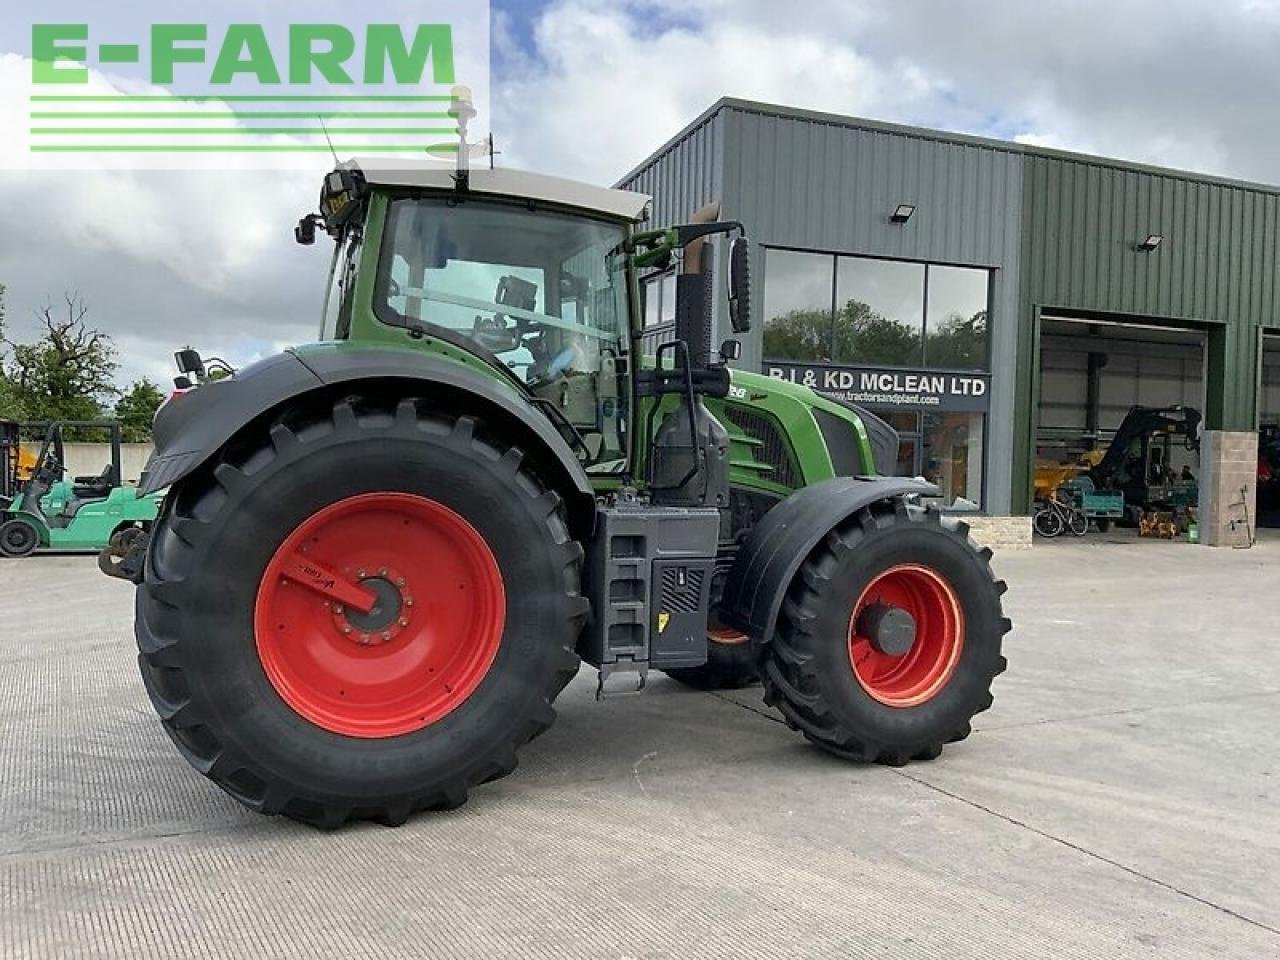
(902, 213)
(1149, 244)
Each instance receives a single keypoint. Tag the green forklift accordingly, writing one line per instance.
(383, 555)
(42, 509)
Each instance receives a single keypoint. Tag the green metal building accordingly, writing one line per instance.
(992, 299)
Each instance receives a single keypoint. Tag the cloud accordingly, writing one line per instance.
(598, 85)
(598, 88)
(164, 258)
(588, 88)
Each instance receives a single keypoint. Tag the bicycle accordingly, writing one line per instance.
(1053, 517)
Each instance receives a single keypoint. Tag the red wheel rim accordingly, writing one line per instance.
(418, 654)
(919, 674)
(726, 636)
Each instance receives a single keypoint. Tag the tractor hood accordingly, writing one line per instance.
(876, 436)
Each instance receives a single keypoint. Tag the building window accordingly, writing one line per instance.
(659, 292)
(879, 316)
(797, 304)
(860, 310)
(957, 318)
(951, 451)
(908, 340)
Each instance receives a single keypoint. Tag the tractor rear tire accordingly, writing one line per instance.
(730, 665)
(865, 699)
(298, 706)
(18, 538)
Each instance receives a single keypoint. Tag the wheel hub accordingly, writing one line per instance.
(906, 635)
(391, 611)
(890, 630)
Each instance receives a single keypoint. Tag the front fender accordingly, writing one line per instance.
(780, 542)
(194, 426)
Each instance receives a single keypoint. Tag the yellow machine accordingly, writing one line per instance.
(26, 464)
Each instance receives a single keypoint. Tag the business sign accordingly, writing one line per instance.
(242, 83)
(891, 387)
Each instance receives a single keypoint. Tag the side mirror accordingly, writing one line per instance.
(305, 231)
(740, 284)
(189, 361)
(730, 350)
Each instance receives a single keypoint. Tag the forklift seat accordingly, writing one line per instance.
(93, 488)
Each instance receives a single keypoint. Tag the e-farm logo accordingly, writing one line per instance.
(301, 87)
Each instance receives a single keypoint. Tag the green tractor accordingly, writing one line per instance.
(40, 508)
(383, 555)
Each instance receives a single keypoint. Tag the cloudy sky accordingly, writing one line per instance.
(587, 88)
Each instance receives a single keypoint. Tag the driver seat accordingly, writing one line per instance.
(93, 488)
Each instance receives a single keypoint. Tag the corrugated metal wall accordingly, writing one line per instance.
(685, 174)
(1214, 270)
(1216, 263)
(819, 182)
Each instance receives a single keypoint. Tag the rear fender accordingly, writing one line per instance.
(787, 534)
(190, 429)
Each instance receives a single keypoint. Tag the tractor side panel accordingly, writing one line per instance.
(782, 539)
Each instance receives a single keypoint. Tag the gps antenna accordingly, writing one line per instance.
(462, 110)
(329, 141)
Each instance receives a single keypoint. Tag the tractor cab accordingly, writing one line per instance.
(534, 277)
(526, 274)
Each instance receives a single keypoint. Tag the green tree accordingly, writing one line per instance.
(959, 343)
(857, 335)
(798, 335)
(66, 374)
(864, 336)
(136, 408)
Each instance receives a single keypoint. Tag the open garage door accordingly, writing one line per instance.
(1269, 433)
(1118, 421)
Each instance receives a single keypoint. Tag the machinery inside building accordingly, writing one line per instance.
(1143, 383)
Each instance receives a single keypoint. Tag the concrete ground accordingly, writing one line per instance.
(1120, 800)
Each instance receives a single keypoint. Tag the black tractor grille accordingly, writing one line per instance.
(773, 449)
(680, 597)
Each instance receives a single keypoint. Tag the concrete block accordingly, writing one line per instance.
(1000, 533)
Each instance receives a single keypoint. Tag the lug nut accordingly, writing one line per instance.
(360, 573)
(346, 629)
(399, 581)
(382, 572)
(386, 635)
(408, 601)
(404, 622)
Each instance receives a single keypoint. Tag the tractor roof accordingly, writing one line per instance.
(431, 174)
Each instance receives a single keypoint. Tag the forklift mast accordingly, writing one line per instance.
(10, 454)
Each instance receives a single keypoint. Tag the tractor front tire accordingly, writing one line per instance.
(297, 704)
(889, 637)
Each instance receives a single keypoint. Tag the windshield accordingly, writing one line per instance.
(541, 293)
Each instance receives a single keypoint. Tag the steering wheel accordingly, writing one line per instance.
(493, 333)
